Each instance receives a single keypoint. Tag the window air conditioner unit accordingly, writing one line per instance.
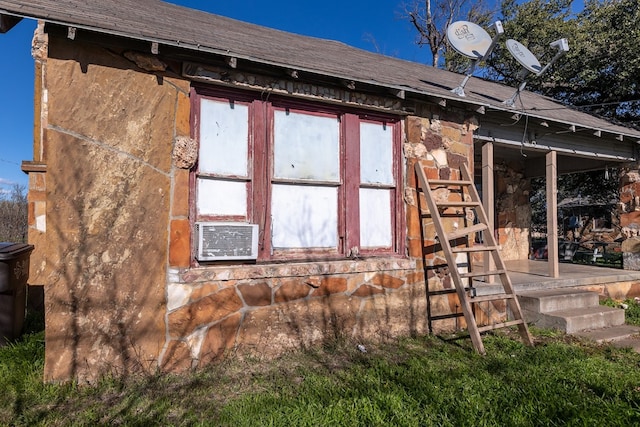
(218, 241)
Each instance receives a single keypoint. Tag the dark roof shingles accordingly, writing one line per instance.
(176, 25)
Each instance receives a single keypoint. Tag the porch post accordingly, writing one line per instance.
(488, 198)
(552, 213)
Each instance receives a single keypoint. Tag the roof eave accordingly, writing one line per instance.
(443, 98)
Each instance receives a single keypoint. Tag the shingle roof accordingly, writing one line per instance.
(168, 24)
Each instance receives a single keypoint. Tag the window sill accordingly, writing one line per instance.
(299, 269)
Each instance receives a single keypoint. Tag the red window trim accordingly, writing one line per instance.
(260, 160)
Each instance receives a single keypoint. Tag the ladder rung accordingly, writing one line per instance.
(467, 230)
(449, 182)
(446, 291)
(447, 316)
(495, 297)
(475, 249)
(482, 273)
(450, 204)
(443, 292)
(482, 329)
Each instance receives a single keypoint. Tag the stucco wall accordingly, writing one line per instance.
(107, 144)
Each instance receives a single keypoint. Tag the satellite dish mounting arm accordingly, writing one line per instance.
(497, 26)
(563, 47)
(523, 83)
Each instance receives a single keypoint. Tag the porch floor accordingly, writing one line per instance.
(534, 275)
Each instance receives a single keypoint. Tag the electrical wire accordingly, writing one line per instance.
(526, 126)
(9, 161)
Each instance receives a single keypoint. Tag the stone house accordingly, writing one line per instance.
(180, 214)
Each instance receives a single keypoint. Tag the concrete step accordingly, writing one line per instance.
(624, 336)
(577, 319)
(549, 300)
(632, 343)
(612, 334)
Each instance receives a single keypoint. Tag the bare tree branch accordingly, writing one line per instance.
(431, 18)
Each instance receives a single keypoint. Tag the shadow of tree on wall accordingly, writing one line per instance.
(107, 249)
(107, 276)
(109, 131)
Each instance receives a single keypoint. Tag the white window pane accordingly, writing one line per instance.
(216, 197)
(306, 147)
(376, 153)
(304, 216)
(224, 130)
(375, 218)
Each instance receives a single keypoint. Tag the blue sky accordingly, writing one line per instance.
(355, 22)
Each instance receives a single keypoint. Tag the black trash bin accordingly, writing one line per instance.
(14, 272)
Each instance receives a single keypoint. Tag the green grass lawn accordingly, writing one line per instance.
(425, 381)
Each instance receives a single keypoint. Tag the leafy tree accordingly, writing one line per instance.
(13, 215)
(604, 73)
(601, 72)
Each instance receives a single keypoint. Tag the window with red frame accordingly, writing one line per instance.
(320, 182)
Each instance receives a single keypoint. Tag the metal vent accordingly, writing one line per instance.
(226, 241)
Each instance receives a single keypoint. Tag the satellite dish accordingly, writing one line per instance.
(524, 56)
(469, 39)
(472, 41)
(530, 63)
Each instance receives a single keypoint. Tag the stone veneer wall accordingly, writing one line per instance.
(629, 210)
(513, 210)
(121, 294)
(442, 143)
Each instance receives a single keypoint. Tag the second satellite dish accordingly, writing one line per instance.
(524, 56)
(530, 63)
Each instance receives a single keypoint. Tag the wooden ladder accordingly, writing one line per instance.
(466, 197)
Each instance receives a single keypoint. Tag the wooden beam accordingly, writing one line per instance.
(32, 166)
(488, 202)
(232, 62)
(552, 213)
(399, 93)
(349, 84)
(7, 22)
